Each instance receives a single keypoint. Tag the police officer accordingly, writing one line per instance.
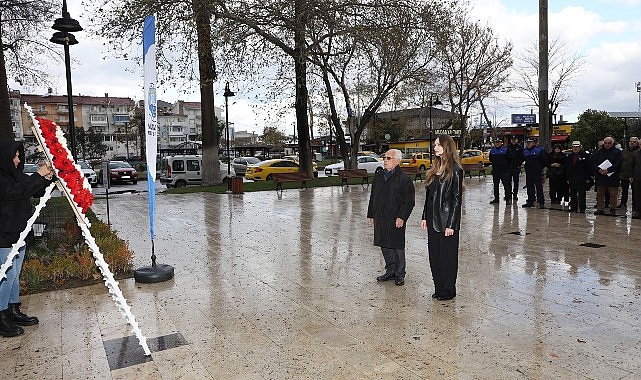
(535, 160)
(515, 155)
(501, 171)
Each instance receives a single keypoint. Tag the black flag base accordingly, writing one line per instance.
(154, 273)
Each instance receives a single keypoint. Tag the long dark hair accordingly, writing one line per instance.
(446, 164)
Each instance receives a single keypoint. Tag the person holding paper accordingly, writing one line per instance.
(607, 166)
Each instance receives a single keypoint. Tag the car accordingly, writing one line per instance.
(183, 170)
(369, 163)
(89, 173)
(29, 169)
(295, 159)
(418, 160)
(240, 163)
(475, 156)
(264, 170)
(370, 153)
(120, 171)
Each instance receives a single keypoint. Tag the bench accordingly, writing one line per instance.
(346, 174)
(478, 167)
(413, 171)
(280, 178)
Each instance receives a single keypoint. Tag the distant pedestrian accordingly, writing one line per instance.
(556, 175)
(607, 167)
(390, 204)
(578, 172)
(442, 216)
(636, 184)
(515, 156)
(501, 171)
(535, 160)
(626, 171)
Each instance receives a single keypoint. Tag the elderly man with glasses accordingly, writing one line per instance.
(390, 205)
(607, 168)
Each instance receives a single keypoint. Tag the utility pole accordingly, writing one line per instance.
(544, 117)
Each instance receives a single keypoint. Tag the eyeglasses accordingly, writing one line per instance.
(387, 158)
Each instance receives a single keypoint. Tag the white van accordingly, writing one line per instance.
(179, 171)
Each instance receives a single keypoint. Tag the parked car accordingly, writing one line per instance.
(369, 163)
(89, 173)
(240, 163)
(416, 160)
(370, 153)
(264, 170)
(475, 156)
(120, 171)
(29, 169)
(295, 159)
(180, 171)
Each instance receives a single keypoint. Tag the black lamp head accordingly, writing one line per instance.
(66, 23)
(64, 38)
(228, 92)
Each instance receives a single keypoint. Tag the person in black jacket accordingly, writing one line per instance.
(556, 175)
(390, 204)
(501, 171)
(16, 189)
(579, 175)
(535, 160)
(635, 180)
(606, 168)
(515, 156)
(442, 216)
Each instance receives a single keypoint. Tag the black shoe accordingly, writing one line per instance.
(571, 210)
(581, 211)
(527, 205)
(441, 298)
(541, 205)
(599, 212)
(434, 296)
(622, 205)
(385, 277)
(19, 318)
(494, 201)
(399, 281)
(7, 328)
(612, 212)
(508, 202)
(516, 197)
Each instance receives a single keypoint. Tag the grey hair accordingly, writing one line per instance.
(397, 153)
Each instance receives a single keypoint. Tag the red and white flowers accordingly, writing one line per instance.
(69, 173)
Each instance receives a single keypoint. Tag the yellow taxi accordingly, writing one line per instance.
(416, 160)
(475, 156)
(264, 170)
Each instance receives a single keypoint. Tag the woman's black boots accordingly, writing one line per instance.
(19, 318)
(7, 327)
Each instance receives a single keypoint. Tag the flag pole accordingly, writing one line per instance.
(155, 272)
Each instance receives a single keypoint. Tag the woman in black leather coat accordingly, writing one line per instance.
(442, 216)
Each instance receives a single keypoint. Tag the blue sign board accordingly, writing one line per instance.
(523, 118)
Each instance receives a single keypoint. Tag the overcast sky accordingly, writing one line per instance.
(607, 33)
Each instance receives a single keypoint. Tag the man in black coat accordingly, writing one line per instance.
(501, 171)
(606, 167)
(535, 160)
(579, 175)
(636, 184)
(515, 156)
(390, 204)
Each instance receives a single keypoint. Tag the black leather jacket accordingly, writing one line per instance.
(445, 203)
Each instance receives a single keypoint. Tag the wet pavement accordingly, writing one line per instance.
(282, 286)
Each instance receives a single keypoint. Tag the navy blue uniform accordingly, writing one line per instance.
(535, 160)
(501, 172)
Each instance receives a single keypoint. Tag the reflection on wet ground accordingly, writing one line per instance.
(283, 286)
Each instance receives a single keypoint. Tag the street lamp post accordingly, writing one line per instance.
(64, 26)
(432, 103)
(227, 94)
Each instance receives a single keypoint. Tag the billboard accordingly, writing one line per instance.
(523, 118)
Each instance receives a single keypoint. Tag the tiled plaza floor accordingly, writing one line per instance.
(271, 286)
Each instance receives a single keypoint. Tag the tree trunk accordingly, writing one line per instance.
(6, 126)
(300, 68)
(211, 167)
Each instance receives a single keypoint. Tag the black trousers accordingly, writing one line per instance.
(625, 185)
(577, 198)
(504, 177)
(515, 173)
(558, 190)
(443, 253)
(534, 185)
(394, 261)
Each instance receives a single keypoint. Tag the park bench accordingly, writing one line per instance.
(280, 178)
(477, 167)
(413, 171)
(346, 174)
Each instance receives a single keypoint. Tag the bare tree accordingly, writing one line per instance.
(183, 42)
(565, 67)
(475, 66)
(23, 49)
